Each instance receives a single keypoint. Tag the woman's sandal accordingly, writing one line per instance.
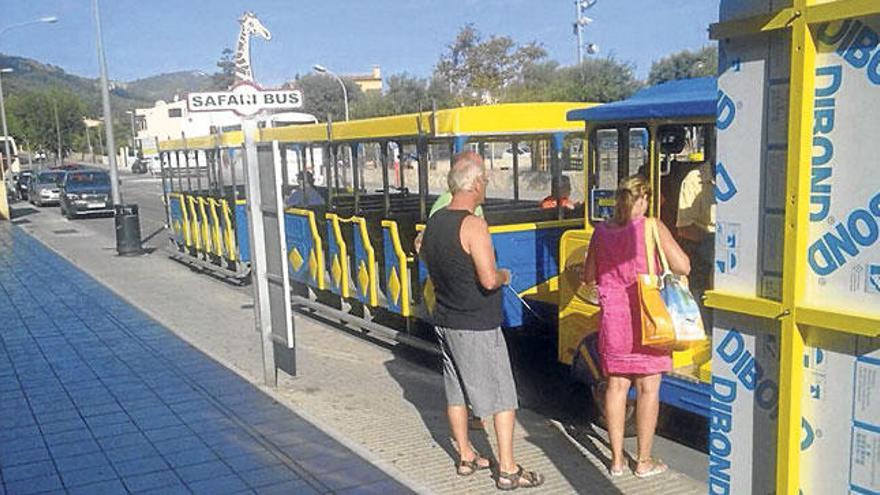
(519, 479)
(657, 467)
(467, 468)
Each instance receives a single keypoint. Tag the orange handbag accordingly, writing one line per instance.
(657, 325)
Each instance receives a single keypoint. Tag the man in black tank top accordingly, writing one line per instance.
(457, 249)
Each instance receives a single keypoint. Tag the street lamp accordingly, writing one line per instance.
(48, 20)
(320, 69)
(128, 229)
(582, 21)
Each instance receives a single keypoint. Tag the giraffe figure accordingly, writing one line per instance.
(250, 25)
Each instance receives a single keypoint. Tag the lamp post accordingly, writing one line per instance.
(582, 21)
(128, 229)
(4, 207)
(320, 69)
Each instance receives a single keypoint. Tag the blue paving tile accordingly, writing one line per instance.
(18, 444)
(112, 487)
(116, 429)
(130, 453)
(178, 489)
(77, 448)
(271, 475)
(54, 417)
(199, 472)
(100, 409)
(40, 469)
(192, 456)
(140, 466)
(150, 481)
(12, 433)
(167, 433)
(218, 486)
(78, 435)
(251, 461)
(124, 440)
(24, 456)
(88, 476)
(107, 419)
(300, 487)
(34, 485)
(95, 459)
(177, 444)
(61, 426)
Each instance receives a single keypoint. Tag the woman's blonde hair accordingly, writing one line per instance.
(629, 191)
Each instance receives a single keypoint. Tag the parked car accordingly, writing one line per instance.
(85, 192)
(39, 155)
(22, 180)
(45, 187)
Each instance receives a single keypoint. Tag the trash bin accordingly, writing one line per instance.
(128, 230)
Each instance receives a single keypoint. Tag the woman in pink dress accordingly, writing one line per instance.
(616, 255)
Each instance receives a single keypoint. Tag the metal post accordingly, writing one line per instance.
(385, 185)
(556, 144)
(58, 132)
(515, 170)
(108, 115)
(7, 158)
(353, 151)
(272, 306)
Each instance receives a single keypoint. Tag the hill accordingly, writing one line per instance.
(30, 74)
(165, 86)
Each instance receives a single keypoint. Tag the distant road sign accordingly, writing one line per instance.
(245, 99)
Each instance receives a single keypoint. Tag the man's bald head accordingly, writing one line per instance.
(467, 169)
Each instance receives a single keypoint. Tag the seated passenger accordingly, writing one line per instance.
(305, 193)
(696, 229)
(564, 192)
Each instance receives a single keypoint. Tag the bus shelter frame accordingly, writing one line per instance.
(801, 19)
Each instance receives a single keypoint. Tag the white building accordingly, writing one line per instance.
(173, 120)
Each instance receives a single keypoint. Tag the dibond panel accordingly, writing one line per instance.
(739, 127)
(840, 405)
(744, 405)
(744, 411)
(843, 251)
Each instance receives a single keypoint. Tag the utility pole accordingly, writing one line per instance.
(580, 22)
(108, 115)
(58, 132)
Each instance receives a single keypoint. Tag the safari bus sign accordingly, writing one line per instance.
(245, 99)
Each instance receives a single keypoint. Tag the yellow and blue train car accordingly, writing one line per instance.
(663, 132)
(377, 180)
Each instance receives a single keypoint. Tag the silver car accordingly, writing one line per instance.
(46, 188)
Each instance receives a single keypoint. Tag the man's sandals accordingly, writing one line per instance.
(519, 479)
(467, 468)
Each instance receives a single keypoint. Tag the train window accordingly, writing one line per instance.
(606, 173)
(638, 151)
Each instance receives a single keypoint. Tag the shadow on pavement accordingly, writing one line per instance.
(535, 410)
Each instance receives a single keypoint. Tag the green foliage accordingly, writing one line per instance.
(31, 116)
(685, 64)
(477, 70)
(404, 94)
(595, 80)
(322, 96)
(225, 77)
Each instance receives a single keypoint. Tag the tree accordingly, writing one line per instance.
(32, 118)
(225, 77)
(322, 95)
(596, 80)
(685, 64)
(477, 70)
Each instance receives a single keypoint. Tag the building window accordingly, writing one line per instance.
(175, 112)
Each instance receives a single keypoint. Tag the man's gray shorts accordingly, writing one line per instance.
(476, 370)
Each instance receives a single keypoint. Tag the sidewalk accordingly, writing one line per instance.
(383, 403)
(96, 397)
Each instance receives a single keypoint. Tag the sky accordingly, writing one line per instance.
(148, 37)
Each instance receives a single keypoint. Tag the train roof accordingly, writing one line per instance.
(488, 121)
(684, 98)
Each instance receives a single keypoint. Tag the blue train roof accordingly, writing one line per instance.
(674, 99)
